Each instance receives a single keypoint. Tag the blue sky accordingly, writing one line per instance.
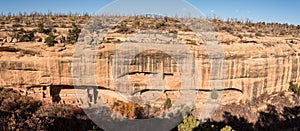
(282, 11)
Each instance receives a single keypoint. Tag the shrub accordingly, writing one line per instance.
(73, 34)
(214, 94)
(207, 127)
(50, 40)
(137, 23)
(167, 103)
(189, 123)
(159, 25)
(227, 128)
(21, 31)
(294, 88)
(26, 37)
(40, 28)
(124, 29)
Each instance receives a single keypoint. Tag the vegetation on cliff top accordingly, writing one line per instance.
(34, 25)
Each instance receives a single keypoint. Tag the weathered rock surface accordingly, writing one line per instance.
(250, 67)
(253, 65)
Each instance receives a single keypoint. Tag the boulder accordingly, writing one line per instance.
(14, 40)
(9, 39)
(5, 40)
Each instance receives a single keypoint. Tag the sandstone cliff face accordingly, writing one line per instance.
(254, 68)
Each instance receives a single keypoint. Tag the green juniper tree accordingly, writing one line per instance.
(50, 40)
(167, 103)
(73, 34)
